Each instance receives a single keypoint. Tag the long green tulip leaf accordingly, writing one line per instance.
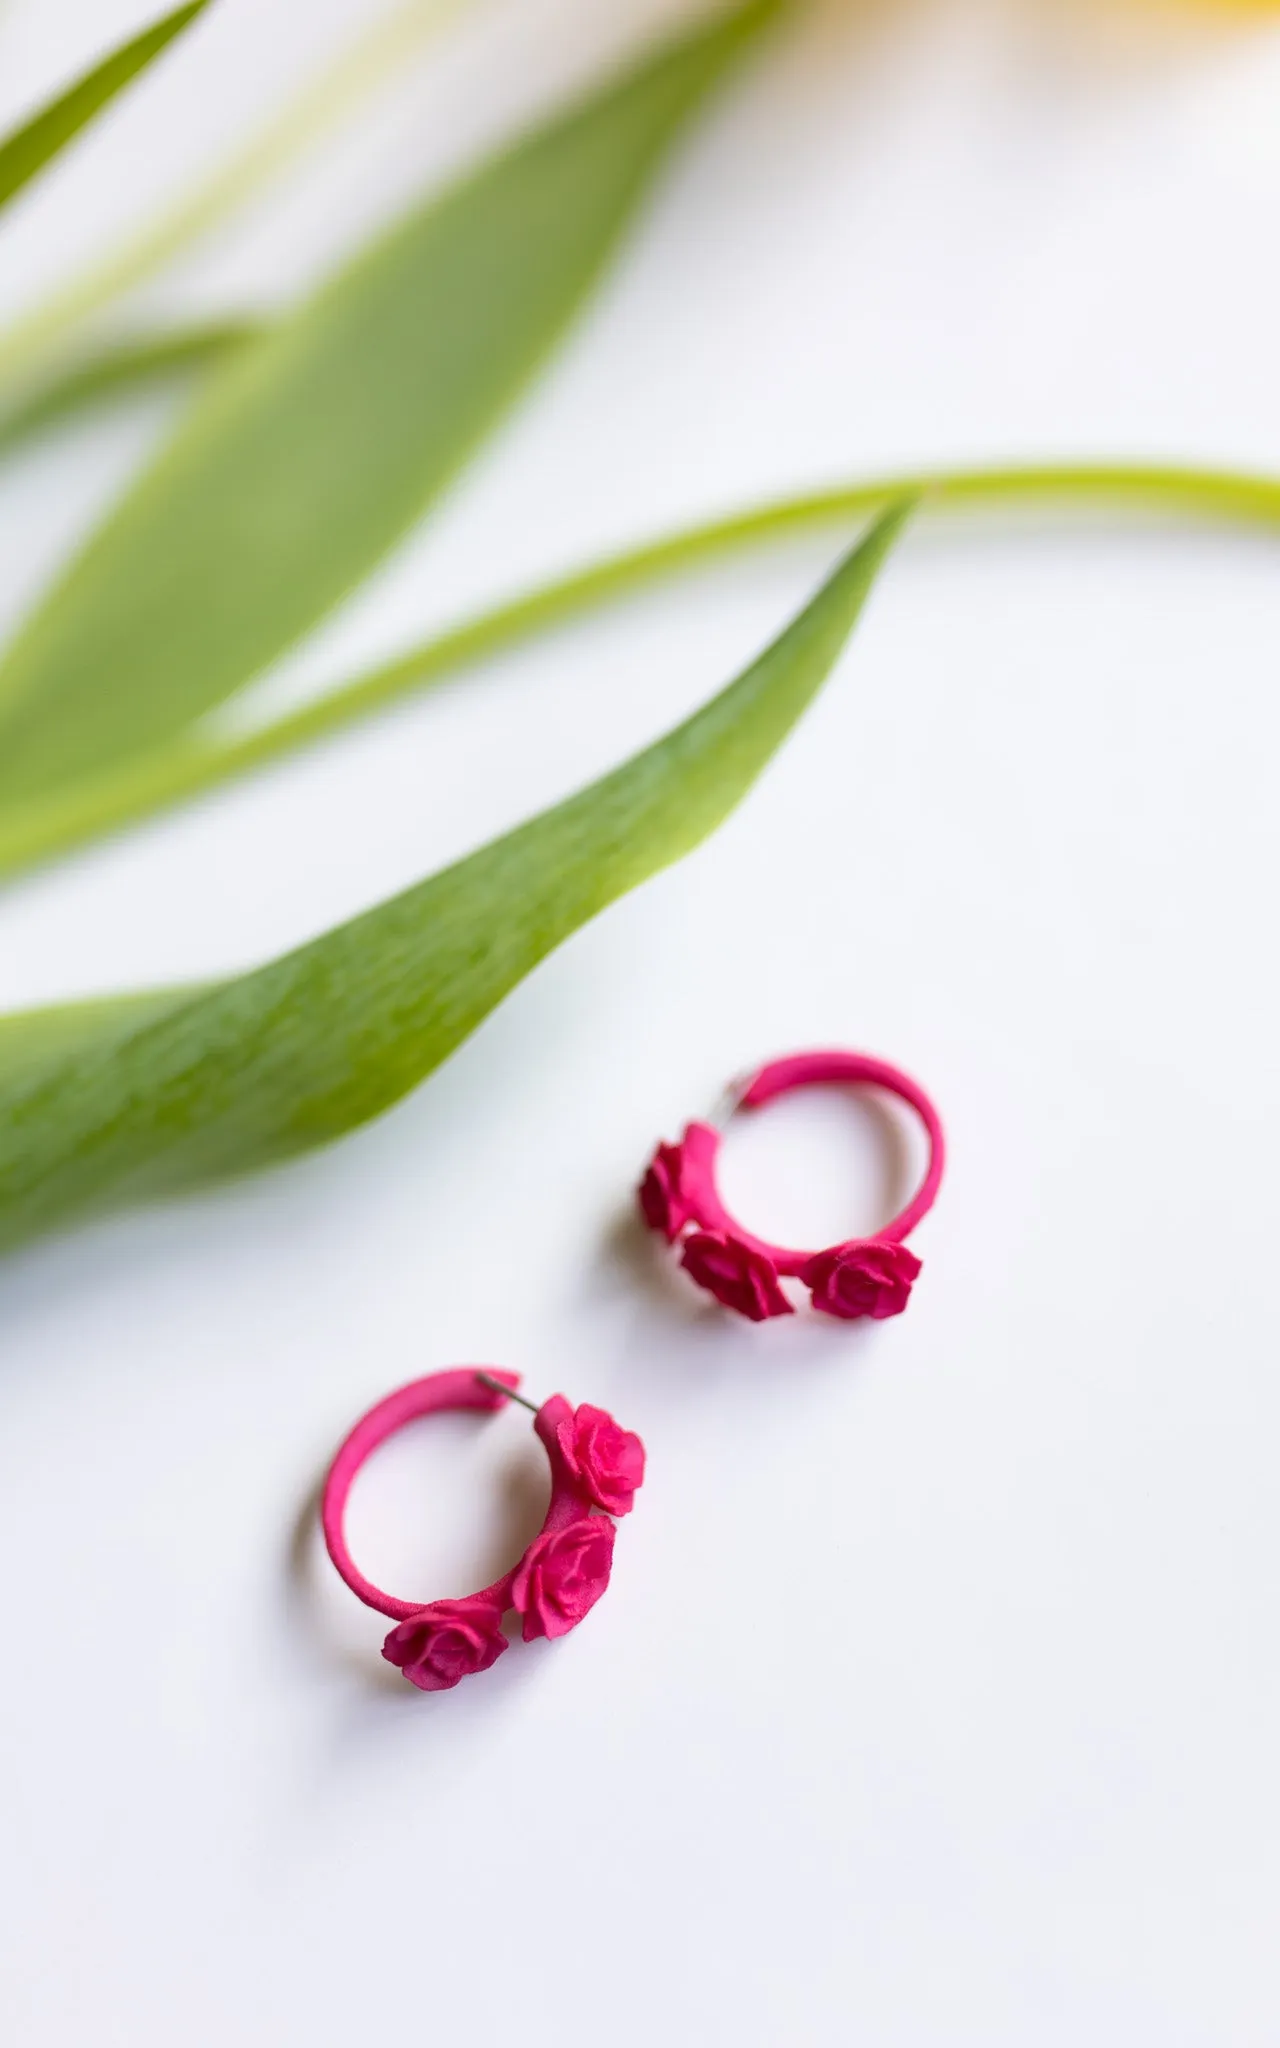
(118, 371)
(42, 830)
(24, 154)
(252, 1070)
(304, 462)
(33, 1043)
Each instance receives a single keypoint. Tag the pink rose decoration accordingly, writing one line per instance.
(607, 1463)
(562, 1575)
(445, 1642)
(873, 1278)
(663, 1202)
(741, 1278)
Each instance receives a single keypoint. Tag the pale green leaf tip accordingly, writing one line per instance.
(169, 24)
(859, 566)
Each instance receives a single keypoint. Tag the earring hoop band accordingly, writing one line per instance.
(596, 1469)
(862, 1276)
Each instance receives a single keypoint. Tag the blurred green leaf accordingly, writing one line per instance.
(124, 367)
(306, 461)
(382, 50)
(134, 1102)
(26, 152)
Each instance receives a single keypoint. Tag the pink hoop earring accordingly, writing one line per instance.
(865, 1276)
(596, 1469)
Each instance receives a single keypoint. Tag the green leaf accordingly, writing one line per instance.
(380, 52)
(26, 152)
(120, 369)
(202, 760)
(252, 1070)
(306, 461)
(35, 1042)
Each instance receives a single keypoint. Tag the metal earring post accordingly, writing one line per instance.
(486, 1379)
(730, 1101)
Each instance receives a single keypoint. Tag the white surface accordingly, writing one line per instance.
(934, 1701)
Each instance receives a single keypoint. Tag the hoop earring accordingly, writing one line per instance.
(864, 1276)
(596, 1469)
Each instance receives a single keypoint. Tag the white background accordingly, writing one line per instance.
(934, 1701)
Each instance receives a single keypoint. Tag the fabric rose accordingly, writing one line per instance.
(562, 1574)
(606, 1462)
(741, 1278)
(445, 1642)
(663, 1201)
(873, 1278)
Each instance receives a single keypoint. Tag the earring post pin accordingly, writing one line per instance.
(486, 1379)
(729, 1101)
